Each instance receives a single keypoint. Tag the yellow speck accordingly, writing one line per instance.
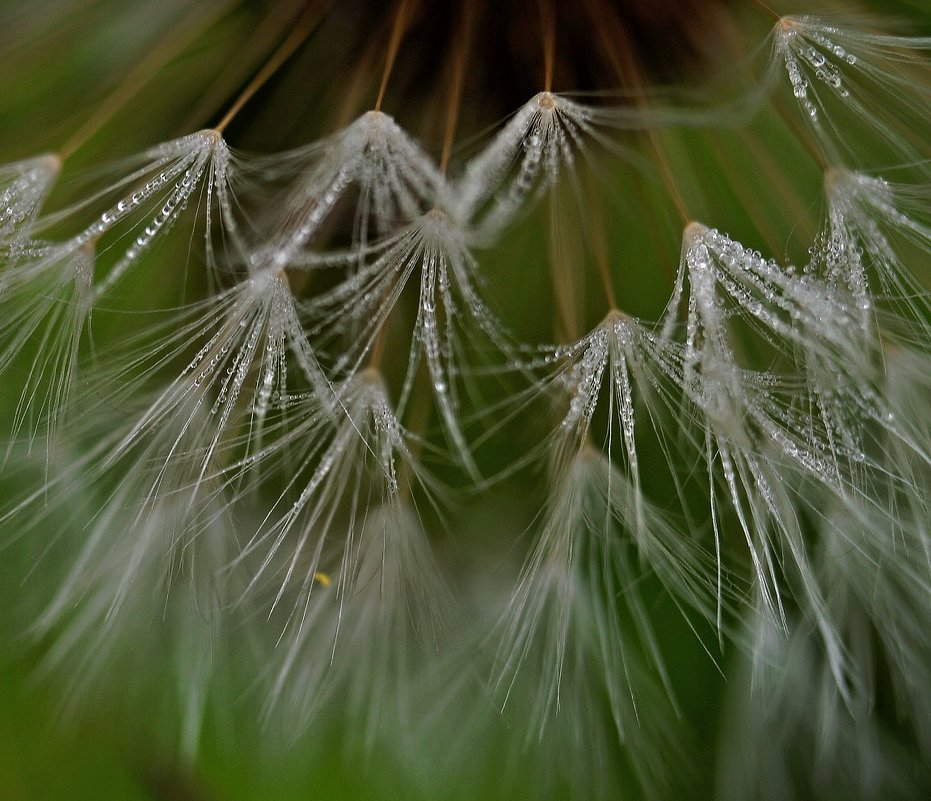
(322, 578)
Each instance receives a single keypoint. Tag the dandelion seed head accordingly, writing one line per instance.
(269, 457)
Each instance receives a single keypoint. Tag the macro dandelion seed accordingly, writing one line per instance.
(389, 425)
(25, 185)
